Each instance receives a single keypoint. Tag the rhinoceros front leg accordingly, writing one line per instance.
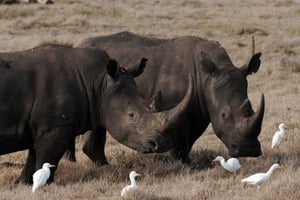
(94, 146)
(52, 147)
(181, 149)
(70, 152)
(49, 146)
(182, 146)
(28, 169)
(184, 142)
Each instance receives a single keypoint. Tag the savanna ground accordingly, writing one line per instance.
(275, 25)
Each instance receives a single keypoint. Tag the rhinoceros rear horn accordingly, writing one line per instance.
(256, 122)
(173, 115)
(154, 104)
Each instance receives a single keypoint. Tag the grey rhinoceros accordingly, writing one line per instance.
(220, 96)
(50, 94)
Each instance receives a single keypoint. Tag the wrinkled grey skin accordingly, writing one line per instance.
(50, 94)
(220, 95)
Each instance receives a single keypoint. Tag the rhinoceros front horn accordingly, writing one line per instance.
(255, 125)
(171, 117)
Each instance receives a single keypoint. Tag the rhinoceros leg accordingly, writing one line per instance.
(94, 146)
(70, 152)
(29, 168)
(51, 146)
(181, 148)
(183, 143)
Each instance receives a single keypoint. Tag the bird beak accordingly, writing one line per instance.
(215, 160)
(138, 174)
(52, 166)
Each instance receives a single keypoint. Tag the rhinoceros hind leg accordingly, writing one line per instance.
(94, 147)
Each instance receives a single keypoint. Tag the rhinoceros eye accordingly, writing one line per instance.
(123, 70)
(226, 114)
(131, 114)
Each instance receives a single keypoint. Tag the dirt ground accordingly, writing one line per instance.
(275, 26)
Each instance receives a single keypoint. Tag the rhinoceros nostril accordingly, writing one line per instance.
(154, 145)
(150, 147)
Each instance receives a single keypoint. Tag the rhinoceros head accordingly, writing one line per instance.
(129, 120)
(229, 108)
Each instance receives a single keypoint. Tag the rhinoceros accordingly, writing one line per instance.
(50, 94)
(220, 96)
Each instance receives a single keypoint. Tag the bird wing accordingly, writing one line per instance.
(253, 179)
(276, 139)
(281, 136)
(125, 190)
(234, 163)
(40, 177)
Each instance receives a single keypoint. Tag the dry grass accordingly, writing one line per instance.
(275, 25)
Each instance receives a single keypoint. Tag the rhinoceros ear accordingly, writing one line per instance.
(112, 67)
(208, 66)
(252, 66)
(138, 69)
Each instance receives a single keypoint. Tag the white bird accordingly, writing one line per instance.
(41, 176)
(232, 164)
(278, 136)
(132, 185)
(259, 178)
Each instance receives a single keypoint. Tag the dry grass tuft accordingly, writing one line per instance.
(8, 14)
(192, 3)
(289, 64)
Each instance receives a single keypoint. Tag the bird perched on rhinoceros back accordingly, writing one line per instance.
(220, 96)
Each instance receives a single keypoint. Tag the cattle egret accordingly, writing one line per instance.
(41, 176)
(132, 185)
(260, 178)
(232, 164)
(278, 136)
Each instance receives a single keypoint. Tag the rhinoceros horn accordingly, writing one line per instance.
(171, 117)
(254, 126)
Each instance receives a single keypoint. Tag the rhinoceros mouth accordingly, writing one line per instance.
(149, 147)
(245, 150)
(158, 144)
